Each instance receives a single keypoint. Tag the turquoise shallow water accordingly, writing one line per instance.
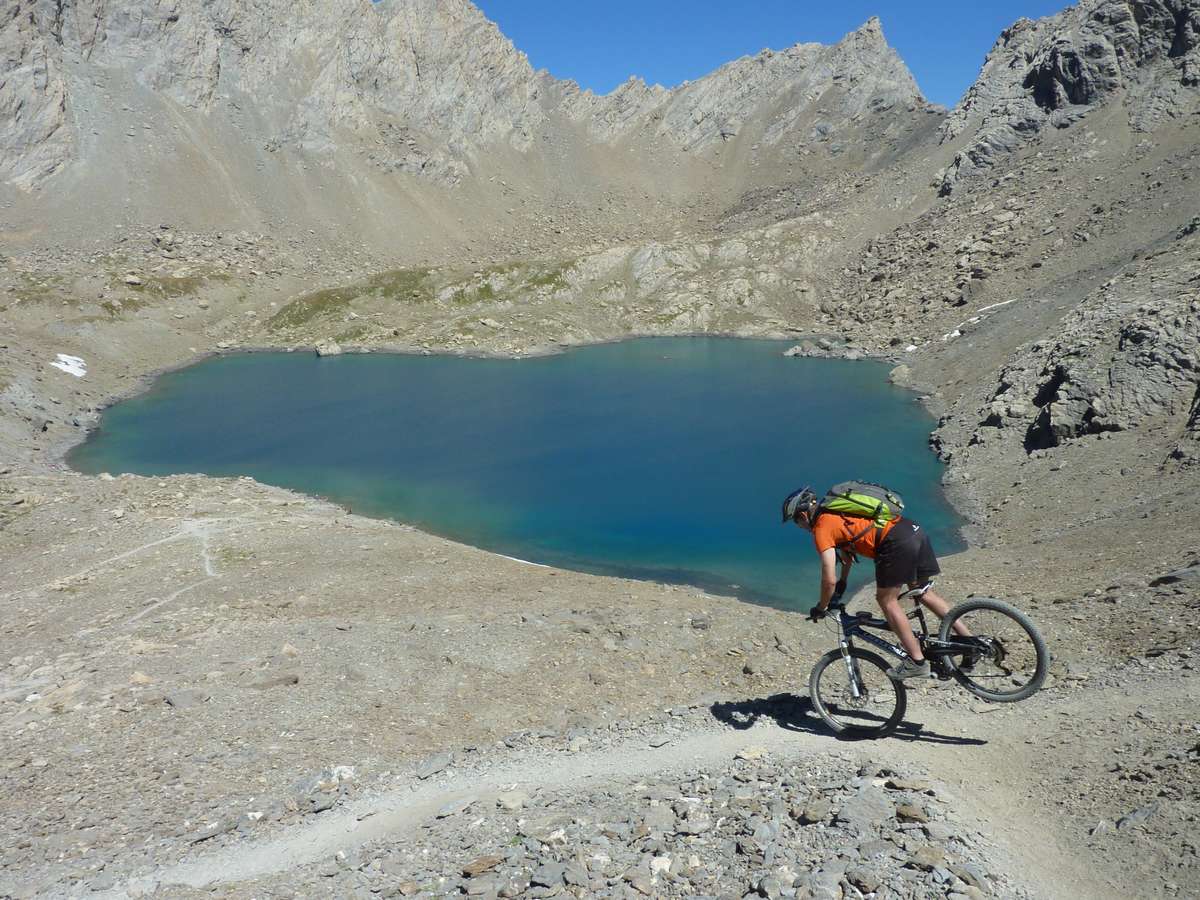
(659, 458)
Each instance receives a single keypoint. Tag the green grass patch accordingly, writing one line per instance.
(115, 306)
(413, 286)
(355, 333)
(230, 556)
(474, 293)
(514, 279)
(398, 286)
(553, 277)
(403, 285)
(171, 287)
(310, 307)
(664, 319)
(37, 288)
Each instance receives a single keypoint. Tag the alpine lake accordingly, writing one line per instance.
(656, 458)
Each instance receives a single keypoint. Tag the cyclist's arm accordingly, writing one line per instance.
(828, 577)
(847, 560)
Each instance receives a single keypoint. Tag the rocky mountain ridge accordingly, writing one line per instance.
(428, 85)
(404, 89)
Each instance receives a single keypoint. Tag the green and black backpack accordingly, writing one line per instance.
(874, 503)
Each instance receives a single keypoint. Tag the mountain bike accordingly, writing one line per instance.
(1003, 660)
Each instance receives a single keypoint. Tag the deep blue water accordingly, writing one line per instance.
(660, 458)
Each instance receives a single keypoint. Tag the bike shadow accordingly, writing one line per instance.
(793, 713)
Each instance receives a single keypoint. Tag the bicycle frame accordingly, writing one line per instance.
(852, 627)
(855, 626)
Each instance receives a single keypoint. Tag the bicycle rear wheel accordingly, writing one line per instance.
(879, 706)
(1012, 659)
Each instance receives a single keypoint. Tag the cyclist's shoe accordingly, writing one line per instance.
(909, 669)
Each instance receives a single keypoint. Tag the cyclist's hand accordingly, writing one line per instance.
(816, 614)
(839, 589)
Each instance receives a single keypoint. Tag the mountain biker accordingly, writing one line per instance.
(902, 554)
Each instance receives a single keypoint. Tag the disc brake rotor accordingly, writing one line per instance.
(864, 694)
(859, 702)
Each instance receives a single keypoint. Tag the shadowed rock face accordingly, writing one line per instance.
(1149, 366)
(33, 98)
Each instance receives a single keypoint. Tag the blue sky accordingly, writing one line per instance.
(600, 44)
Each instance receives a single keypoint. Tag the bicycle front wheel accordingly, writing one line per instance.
(855, 697)
(1011, 661)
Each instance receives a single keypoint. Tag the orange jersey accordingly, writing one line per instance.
(832, 530)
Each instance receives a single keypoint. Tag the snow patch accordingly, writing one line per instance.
(1000, 304)
(976, 319)
(524, 561)
(72, 365)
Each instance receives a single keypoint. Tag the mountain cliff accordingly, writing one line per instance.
(1145, 54)
(236, 111)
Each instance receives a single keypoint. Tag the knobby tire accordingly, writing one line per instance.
(844, 729)
(998, 606)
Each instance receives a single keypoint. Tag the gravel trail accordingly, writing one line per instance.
(982, 764)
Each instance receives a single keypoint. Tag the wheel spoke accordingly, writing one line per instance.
(876, 700)
(1009, 657)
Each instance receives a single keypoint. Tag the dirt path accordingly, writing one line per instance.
(989, 767)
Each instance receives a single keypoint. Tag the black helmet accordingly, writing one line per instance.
(797, 502)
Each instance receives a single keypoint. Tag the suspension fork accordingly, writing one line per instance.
(846, 644)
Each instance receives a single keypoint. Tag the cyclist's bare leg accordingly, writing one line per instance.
(940, 607)
(889, 601)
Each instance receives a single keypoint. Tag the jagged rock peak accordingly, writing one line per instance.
(1057, 69)
(862, 70)
(871, 30)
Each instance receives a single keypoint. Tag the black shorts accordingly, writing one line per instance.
(905, 556)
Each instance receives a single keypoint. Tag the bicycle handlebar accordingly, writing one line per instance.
(835, 602)
(835, 605)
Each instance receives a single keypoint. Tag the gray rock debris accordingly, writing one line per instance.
(1128, 355)
(434, 764)
(715, 832)
(1188, 573)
